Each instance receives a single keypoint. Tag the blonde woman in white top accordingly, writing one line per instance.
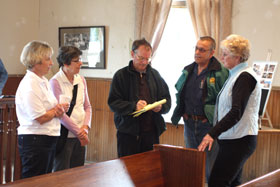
(38, 111)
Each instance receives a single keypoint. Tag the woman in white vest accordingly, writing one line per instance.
(236, 115)
(77, 124)
(38, 112)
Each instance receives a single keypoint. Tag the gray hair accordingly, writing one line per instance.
(237, 46)
(210, 39)
(34, 52)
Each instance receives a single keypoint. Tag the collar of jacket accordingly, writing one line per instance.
(214, 65)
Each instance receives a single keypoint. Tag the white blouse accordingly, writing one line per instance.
(33, 99)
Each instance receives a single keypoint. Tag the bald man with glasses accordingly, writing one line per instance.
(198, 87)
(132, 88)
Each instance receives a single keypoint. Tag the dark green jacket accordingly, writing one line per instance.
(123, 97)
(215, 79)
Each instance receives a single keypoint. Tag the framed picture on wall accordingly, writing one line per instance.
(90, 40)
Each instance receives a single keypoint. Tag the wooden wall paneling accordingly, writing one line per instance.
(111, 141)
(278, 152)
(273, 152)
(92, 91)
(102, 135)
(173, 135)
(266, 157)
(107, 90)
(275, 111)
(102, 92)
(273, 107)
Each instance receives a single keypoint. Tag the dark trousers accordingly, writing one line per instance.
(129, 144)
(37, 154)
(72, 155)
(232, 155)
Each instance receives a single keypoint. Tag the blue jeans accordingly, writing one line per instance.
(72, 155)
(194, 132)
(37, 154)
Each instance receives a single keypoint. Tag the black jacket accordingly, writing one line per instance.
(123, 97)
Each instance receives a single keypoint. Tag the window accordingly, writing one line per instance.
(176, 50)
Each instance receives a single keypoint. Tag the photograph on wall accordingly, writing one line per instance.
(90, 40)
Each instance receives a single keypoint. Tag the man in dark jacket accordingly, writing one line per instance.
(198, 87)
(133, 87)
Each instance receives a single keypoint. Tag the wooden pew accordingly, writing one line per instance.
(271, 179)
(9, 155)
(164, 166)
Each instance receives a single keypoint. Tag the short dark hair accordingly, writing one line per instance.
(66, 54)
(210, 39)
(137, 43)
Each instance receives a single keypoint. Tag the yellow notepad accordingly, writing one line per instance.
(148, 107)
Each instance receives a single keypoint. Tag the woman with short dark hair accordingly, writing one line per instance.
(72, 154)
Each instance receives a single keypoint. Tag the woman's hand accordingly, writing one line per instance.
(206, 141)
(56, 111)
(83, 135)
(84, 140)
(59, 110)
(65, 106)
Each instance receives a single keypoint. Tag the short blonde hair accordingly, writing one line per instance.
(237, 46)
(34, 52)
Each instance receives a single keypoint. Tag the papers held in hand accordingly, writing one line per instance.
(148, 107)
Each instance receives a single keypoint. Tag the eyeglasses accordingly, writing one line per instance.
(201, 49)
(76, 60)
(142, 58)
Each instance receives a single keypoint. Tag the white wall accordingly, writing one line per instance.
(25, 20)
(19, 20)
(259, 21)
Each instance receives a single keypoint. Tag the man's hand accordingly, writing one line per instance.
(141, 104)
(158, 108)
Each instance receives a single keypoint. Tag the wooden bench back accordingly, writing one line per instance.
(9, 156)
(271, 179)
(138, 170)
(182, 166)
